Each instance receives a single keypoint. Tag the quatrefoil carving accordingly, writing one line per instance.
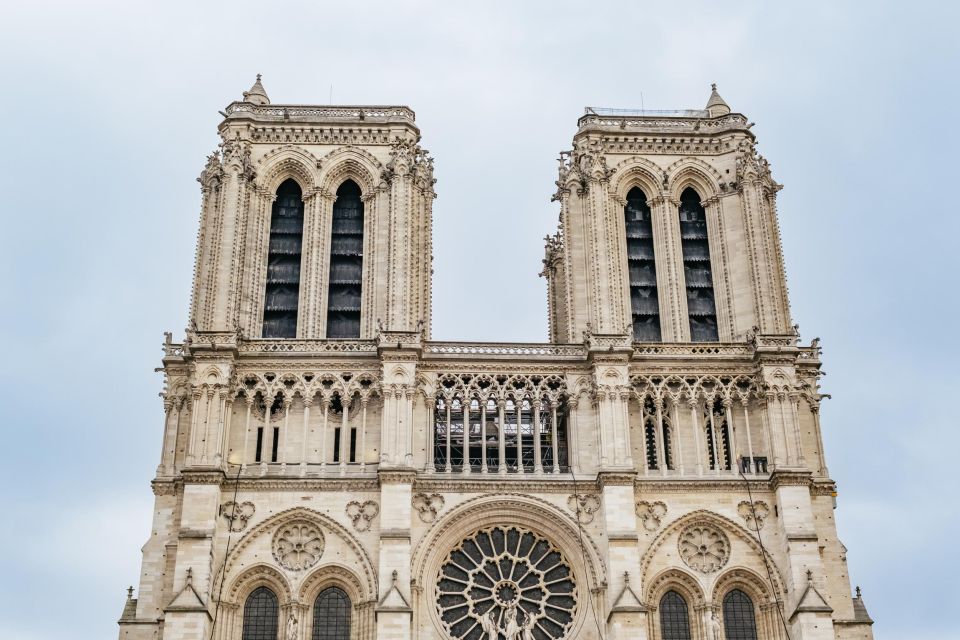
(362, 513)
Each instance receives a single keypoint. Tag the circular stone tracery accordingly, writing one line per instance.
(298, 545)
(517, 575)
(704, 548)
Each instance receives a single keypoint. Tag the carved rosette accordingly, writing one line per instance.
(298, 545)
(506, 582)
(704, 547)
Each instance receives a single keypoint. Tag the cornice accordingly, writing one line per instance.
(788, 478)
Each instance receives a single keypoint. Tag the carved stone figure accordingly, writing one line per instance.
(716, 629)
(291, 628)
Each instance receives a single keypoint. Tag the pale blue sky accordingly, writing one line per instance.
(109, 109)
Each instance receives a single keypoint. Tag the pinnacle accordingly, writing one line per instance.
(716, 105)
(257, 94)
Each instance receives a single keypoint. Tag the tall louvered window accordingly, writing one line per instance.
(331, 615)
(644, 306)
(260, 613)
(346, 263)
(283, 263)
(674, 617)
(739, 617)
(718, 436)
(696, 268)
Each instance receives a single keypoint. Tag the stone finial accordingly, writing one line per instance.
(715, 105)
(859, 595)
(257, 94)
(130, 592)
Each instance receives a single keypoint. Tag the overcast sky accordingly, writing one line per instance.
(109, 108)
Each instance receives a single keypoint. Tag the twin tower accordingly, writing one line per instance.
(328, 471)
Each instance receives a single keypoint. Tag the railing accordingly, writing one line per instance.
(325, 113)
(505, 349)
(308, 346)
(667, 113)
(692, 349)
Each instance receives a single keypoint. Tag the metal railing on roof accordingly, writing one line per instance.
(669, 113)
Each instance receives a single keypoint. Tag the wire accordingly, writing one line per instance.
(583, 549)
(226, 554)
(763, 550)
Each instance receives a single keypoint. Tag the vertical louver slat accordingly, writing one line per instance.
(282, 295)
(644, 304)
(698, 274)
(346, 264)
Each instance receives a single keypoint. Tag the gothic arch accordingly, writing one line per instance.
(258, 575)
(333, 575)
(674, 580)
(693, 172)
(349, 163)
(637, 172)
(365, 566)
(723, 523)
(288, 162)
(744, 579)
(539, 516)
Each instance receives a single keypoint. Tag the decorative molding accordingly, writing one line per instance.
(704, 547)
(237, 514)
(298, 545)
(428, 506)
(584, 506)
(651, 514)
(755, 515)
(361, 514)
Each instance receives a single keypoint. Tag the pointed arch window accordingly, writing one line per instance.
(739, 616)
(331, 615)
(697, 271)
(674, 617)
(346, 264)
(260, 614)
(644, 304)
(717, 431)
(282, 296)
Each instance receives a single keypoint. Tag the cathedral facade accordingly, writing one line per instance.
(329, 471)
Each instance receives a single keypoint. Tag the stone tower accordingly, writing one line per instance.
(330, 472)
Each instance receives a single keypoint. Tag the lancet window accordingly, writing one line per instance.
(260, 614)
(674, 617)
(698, 274)
(282, 295)
(739, 616)
(346, 263)
(656, 436)
(331, 615)
(644, 304)
(717, 431)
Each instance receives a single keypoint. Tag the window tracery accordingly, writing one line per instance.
(698, 274)
(674, 617)
(282, 295)
(739, 616)
(502, 580)
(331, 615)
(346, 264)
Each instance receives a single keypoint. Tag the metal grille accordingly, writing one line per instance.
(644, 304)
(282, 294)
(346, 263)
(674, 618)
(331, 615)
(696, 268)
(739, 619)
(260, 615)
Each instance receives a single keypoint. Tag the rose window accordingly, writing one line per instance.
(704, 548)
(298, 545)
(508, 582)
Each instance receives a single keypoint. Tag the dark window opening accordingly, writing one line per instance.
(698, 274)
(674, 617)
(739, 617)
(260, 614)
(259, 452)
(353, 445)
(276, 444)
(336, 444)
(466, 444)
(719, 452)
(345, 280)
(644, 304)
(331, 615)
(281, 299)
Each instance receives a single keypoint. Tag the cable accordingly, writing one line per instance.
(763, 551)
(583, 550)
(226, 554)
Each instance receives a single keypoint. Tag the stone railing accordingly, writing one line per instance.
(505, 349)
(691, 349)
(676, 121)
(352, 113)
(308, 346)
